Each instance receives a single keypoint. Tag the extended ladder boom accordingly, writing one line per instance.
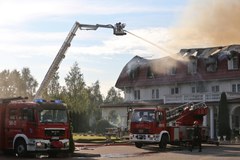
(117, 30)
(175, 113)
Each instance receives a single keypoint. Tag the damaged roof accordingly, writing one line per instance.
(140, 72)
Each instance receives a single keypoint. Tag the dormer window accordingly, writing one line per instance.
(233, 63)
(150, 73)
(192, 66)
(211, 64)
(172, 71)
(134, 73)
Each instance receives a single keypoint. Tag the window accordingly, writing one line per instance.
(172, 71)
(26, 114)
(215, 88)
(143, 116)
(199, 87)
(193, 89)
(235, 88)
(23, 114)
(211, 64)
(30, 115)
(150, 73)
(175, 90)
(137, 94)
(12, 114)
(53, 115)
(134, 73)
(233, 63)
(155, 93)
(192, 66)
(236, 121)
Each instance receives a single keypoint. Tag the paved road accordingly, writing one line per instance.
(129, 152)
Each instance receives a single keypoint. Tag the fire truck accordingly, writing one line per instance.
(163, 126)
(38, 126)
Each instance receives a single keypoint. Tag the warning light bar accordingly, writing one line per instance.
(39, 100)
(57, 101)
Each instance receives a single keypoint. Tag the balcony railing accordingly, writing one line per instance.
(205, 97)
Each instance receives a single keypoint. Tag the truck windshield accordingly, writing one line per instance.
(143, 116)
(53, 116)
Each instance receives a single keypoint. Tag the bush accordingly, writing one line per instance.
(102, 125)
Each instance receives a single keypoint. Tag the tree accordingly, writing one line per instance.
(96, 99)
(13, 83)
(223, 117)
(77, 98)
(54, 88)
(4, 84)
(113, 96)
(29, 84)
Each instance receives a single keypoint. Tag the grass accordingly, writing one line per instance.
(86, 138)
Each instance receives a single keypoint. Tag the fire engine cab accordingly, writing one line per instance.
(163, 126)
(38, 126)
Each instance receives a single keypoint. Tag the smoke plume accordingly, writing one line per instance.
(207, 23)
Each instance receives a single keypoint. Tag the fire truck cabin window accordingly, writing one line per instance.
(12, 114)
(53, 116)
(143, 116)
(160, 116)
(26, 114)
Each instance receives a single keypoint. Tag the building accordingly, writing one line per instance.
(192, 75)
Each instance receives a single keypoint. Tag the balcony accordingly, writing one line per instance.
(205, 97)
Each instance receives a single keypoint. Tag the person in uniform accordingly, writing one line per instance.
(197, 136)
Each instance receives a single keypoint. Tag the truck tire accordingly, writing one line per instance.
(163, 142)
(138, 145)
(20, 148)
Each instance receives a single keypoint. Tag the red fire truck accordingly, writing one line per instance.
(38, 126)
(161, 126)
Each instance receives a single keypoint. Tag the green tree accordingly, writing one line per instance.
(113, 96)
(4, 84)
(54, 88)
(77, 98)
(15, 82)
(96, 99)
(223, 117)
(29, 84)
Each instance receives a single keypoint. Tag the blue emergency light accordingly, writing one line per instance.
(39, 100)
(58, 101)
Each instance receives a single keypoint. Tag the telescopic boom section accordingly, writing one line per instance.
(117, 30)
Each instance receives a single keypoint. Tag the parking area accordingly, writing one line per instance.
(130, 152)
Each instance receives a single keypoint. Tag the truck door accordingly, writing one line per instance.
(28, 121)
(160, 119)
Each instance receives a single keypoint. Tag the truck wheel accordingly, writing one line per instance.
(163, 142)
(138, 145)
(20, 148)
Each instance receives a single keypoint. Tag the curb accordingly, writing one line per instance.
(101, 144)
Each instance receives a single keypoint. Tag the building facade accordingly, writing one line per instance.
(192, 75)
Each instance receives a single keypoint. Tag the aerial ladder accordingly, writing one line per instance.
(117, 30)
(187, 113)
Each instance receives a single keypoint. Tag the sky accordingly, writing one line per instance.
(33, 31)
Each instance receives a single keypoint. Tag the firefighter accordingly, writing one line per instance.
(197, 137)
